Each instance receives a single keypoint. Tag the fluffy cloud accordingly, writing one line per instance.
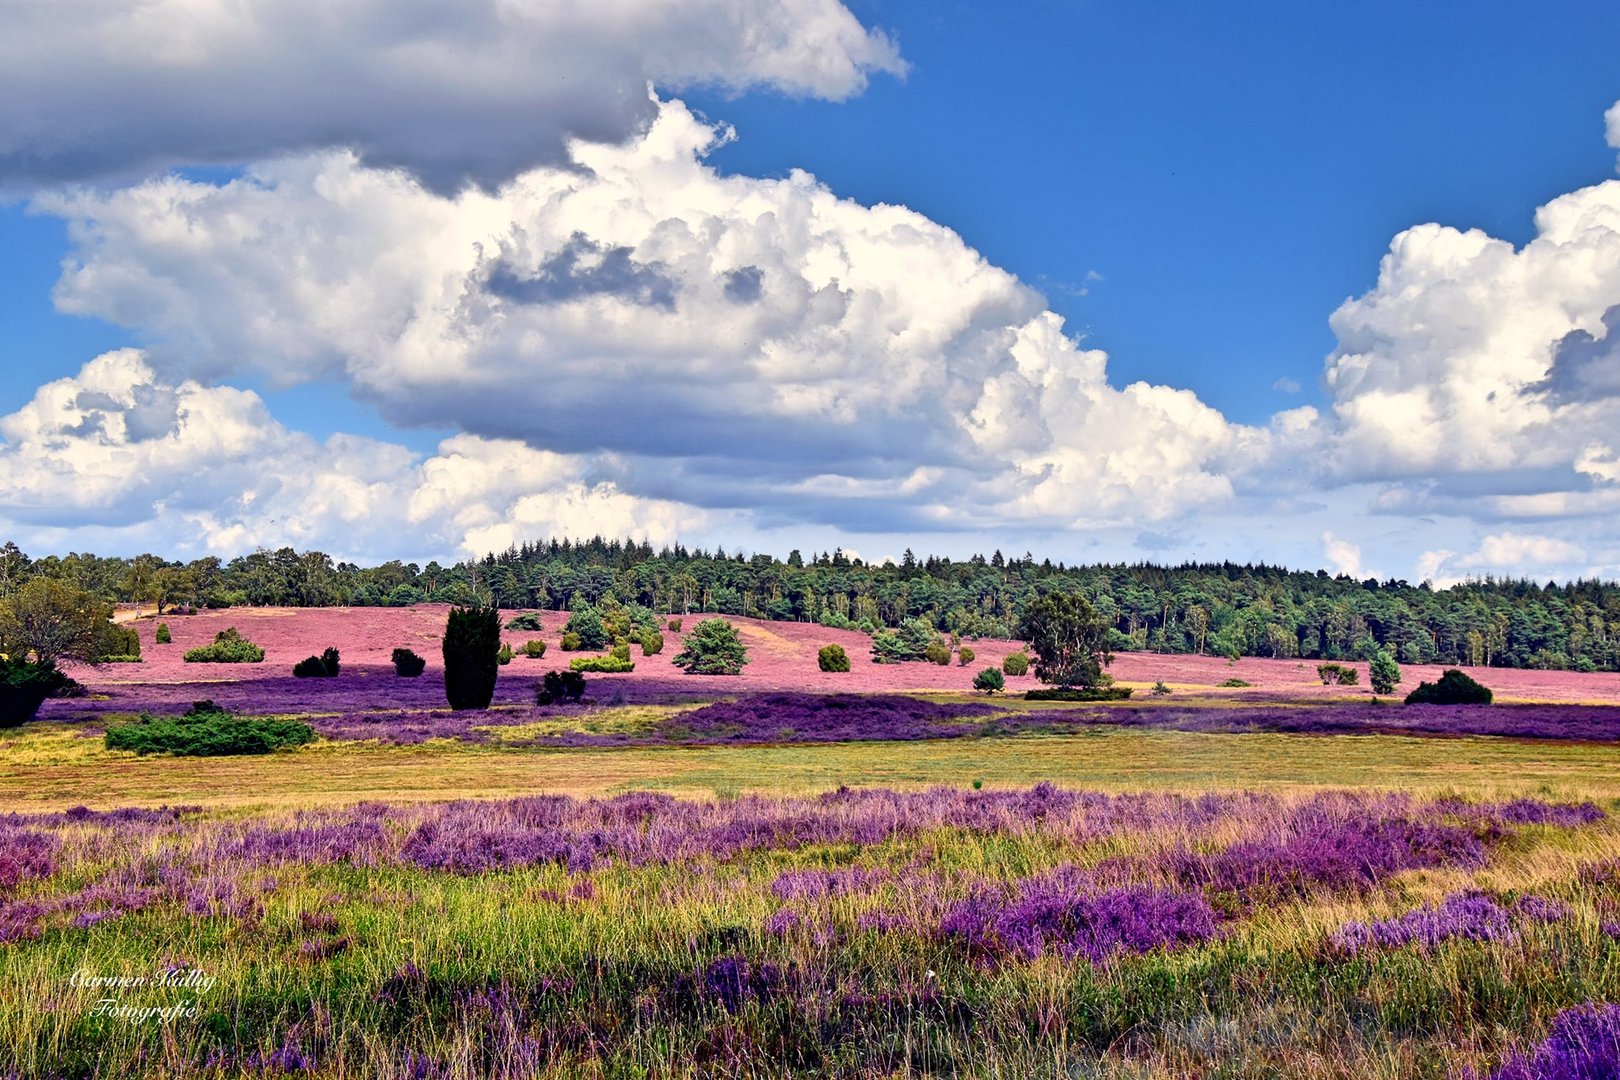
(479, 90)
(742, 342)
(1479, 377)
(184, 467)
(1505, 555)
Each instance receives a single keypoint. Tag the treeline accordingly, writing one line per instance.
(1213, 608)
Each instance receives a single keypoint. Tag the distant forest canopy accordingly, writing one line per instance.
(1223, 609)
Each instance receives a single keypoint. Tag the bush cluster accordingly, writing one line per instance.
(652, 643)
(832, 658)
(1452, 688)
(558, 687)
(1016, 664)
(585, 626)
(1233, 684)
(914, 640)
(1331, 673)
(534, 649)
(324, 666)
(608, 665)
(990, 681)
(408, 664)
(571, 643)
(117, 644)
(1071, 693)
(206, 730)
(504, 654)
(229, 647)
(529, 621)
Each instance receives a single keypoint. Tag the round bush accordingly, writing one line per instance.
(989, 681)
(1453, 688)
(570, 643)
(1016, 664)
(534, 649)
(965, 655)
(163, 637)
(652, 643)
(832, 658)
(407, 664)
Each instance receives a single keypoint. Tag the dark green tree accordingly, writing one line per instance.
(1068, 638)
(712, 648)
(472, 644)
(1383, 672)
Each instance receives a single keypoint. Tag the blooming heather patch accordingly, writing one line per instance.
(1060, 912)
(1470, 915)
(1584, 1044)
(1594, 723)
(1325, 852)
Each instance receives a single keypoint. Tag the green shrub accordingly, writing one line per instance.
(504, 654)
(964, 656)
(117, 644)
(1383, 673)
(472, 643)
(558, 687)
(206, 730)
(529, 621)
(674, 626)
(620, 652)
(310, 668)
(1348, 676)
(914, 640)
(570, 643)
(938, 653)
(1016, 664)
(163, 637)
(990, 681)
(534, 649)
(587, 628)
(1233, 684)
(1100, 693)
(713, 648)
(1453, 688)
(408, 664)
(229, 647)
(24, 686)
(832, 658)
(1160, 689)
(652, 643)
(611, 664)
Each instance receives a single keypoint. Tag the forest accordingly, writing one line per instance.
(1223, 609)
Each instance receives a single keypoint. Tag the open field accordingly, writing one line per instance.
(962, 888)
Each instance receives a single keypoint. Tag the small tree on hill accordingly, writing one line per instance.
(587, 628)
(1068, 638)
(712, 648)
(1383, 672)
(472, 644)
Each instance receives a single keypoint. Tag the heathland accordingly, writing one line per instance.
(1241, 870)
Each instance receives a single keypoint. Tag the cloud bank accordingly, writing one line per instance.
(475, 91)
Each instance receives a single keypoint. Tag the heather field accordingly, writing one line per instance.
(791, 872)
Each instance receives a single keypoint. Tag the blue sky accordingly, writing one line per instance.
(1193, 189)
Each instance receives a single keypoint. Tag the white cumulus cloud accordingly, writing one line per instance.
(740, 342)
(188, 468)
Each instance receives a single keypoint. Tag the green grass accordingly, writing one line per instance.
(51, 766)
